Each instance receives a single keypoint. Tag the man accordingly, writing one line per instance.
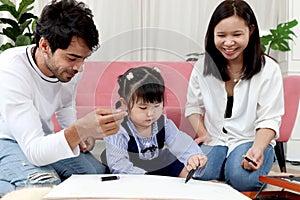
(38, 81)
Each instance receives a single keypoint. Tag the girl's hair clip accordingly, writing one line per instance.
(156, 69)
(129, 76)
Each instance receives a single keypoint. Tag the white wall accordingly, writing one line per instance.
(293, 146)
(160, 30)
(294, 55)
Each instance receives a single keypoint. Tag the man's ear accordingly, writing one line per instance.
(44, 46)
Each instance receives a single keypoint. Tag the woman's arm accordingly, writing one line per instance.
(197, 122)
(263, 138)
(270, 108)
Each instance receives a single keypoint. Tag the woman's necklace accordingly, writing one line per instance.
(236, 75)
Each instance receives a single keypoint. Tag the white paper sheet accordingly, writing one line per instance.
(141, 187)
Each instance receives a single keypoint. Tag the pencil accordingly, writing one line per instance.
(249, 160)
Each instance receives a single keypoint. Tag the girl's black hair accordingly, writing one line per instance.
(61, 20)
(253, 54)
(142, 83)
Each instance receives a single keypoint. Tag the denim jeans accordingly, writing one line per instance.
(16, 171)
(220, 167)
(85, 163)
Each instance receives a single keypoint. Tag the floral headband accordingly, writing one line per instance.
(130, 76)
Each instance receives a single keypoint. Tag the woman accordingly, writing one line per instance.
(235, 99)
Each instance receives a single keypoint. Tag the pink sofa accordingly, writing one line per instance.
(98, 88)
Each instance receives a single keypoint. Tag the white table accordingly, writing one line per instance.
(141, 187)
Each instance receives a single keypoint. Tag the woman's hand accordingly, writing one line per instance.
(197, 122)
(256, 155)
(203, 138)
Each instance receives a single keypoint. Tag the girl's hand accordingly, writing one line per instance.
(256, 155)
(198, 160)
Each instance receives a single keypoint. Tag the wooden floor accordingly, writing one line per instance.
(293, 169)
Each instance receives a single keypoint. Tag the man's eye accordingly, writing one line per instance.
(72, 59)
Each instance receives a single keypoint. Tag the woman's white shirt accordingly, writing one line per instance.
(258, 103)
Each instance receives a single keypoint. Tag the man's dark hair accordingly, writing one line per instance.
(61, 20)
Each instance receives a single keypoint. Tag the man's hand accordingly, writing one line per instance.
(96, 124)
(100, 123)
(87, 144)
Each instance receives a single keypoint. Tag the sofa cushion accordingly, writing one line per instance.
(98, 88)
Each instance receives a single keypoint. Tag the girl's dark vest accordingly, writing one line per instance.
(164, 158)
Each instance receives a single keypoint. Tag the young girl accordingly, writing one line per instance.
(235, 99)
(148, 142)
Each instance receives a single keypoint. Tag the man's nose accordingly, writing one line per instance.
(78, 66)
